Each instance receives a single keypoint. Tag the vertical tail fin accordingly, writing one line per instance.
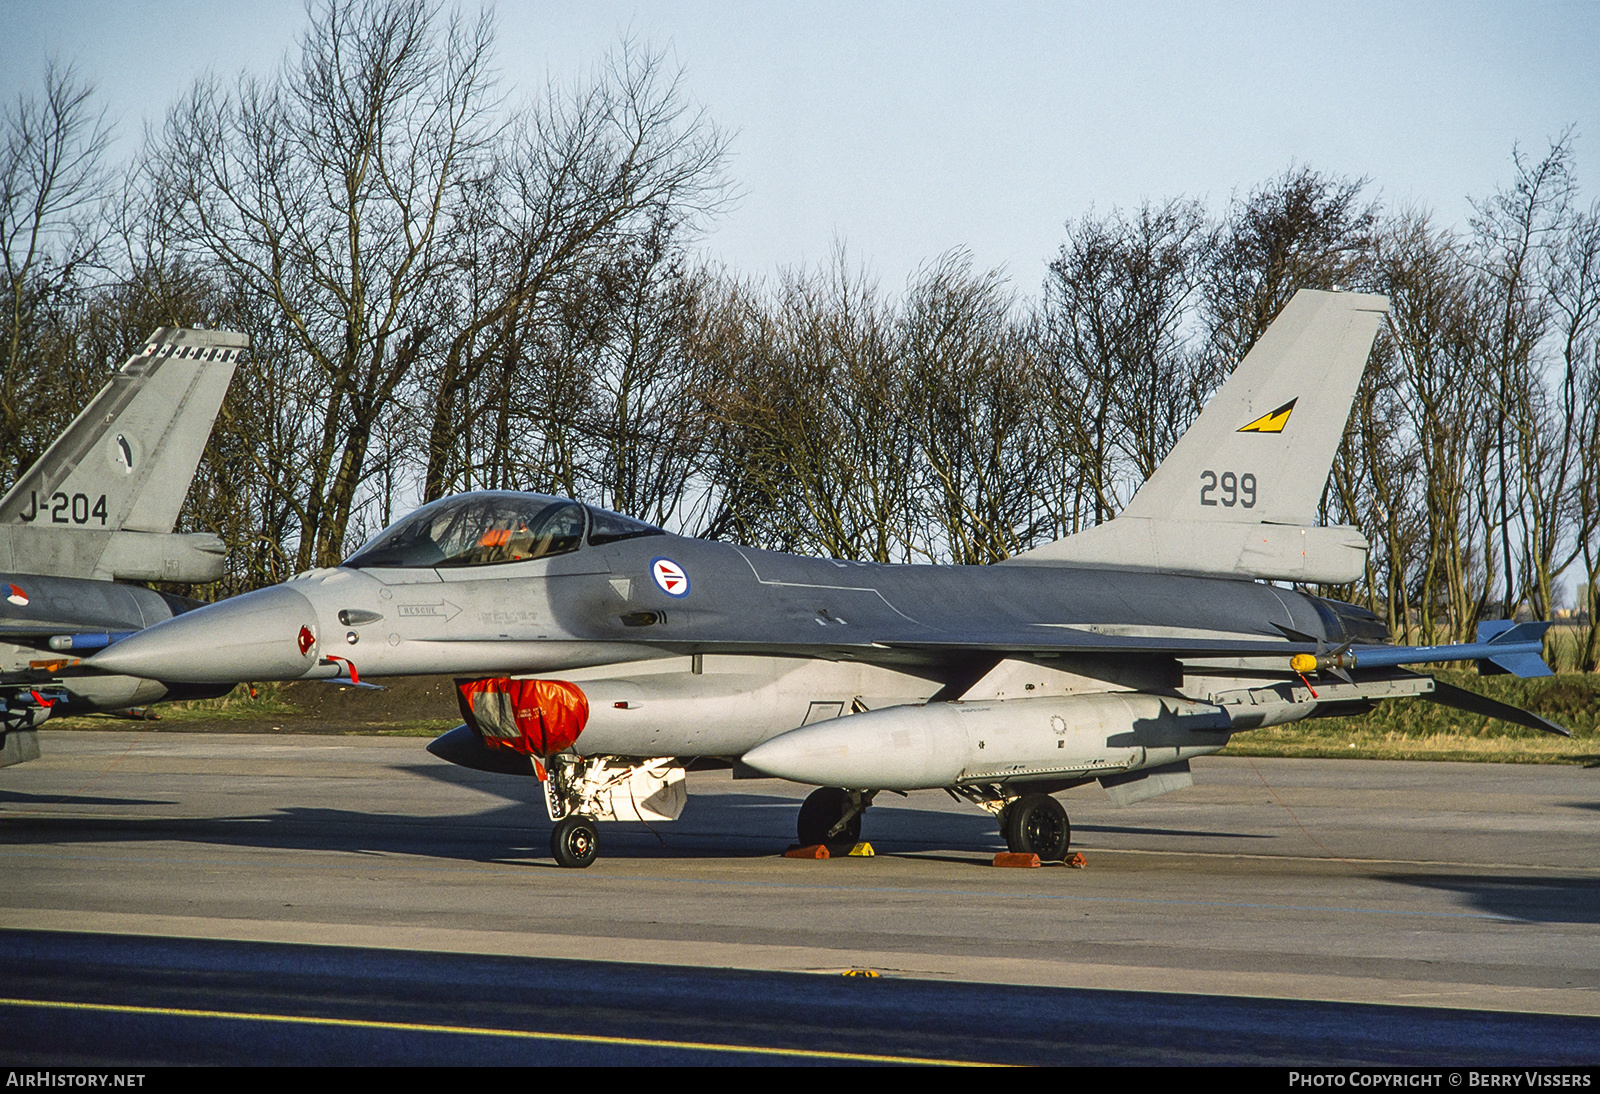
(1238, 493)
(126, 462)
(1275, 423)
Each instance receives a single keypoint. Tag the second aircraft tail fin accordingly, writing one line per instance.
(126, 462)
(103, 499)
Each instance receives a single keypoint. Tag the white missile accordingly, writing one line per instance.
(945, 744)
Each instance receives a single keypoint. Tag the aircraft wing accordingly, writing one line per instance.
(902, 649)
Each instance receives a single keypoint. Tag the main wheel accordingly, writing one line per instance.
(575, 841)
(1036, 824)
(820, 812)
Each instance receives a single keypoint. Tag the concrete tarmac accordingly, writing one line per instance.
(1469, 886)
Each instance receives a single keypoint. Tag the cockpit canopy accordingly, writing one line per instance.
(493, 526)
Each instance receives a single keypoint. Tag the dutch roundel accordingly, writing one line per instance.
(670, 576)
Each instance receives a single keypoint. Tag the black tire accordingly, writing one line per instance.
(820, 812)
(575, 841)
(1036, 824)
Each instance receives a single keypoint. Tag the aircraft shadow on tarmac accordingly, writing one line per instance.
(719, 825)
(712, 826)
(14, 797)
(1532, 899)
(1132, 830)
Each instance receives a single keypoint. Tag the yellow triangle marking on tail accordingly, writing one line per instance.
(1272, 422)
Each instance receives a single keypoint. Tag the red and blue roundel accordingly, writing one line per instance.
(672, 578)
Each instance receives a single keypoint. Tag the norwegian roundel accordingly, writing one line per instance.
(670, 576)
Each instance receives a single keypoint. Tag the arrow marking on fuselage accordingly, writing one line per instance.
(441, 610)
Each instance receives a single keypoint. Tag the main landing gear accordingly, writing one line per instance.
(832, 817)
(1036, 824)
(1031, 824)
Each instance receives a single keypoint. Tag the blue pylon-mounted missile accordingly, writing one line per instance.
(1502, 647)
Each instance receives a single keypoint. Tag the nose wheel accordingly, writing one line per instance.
(575, 841)
(1037, 824)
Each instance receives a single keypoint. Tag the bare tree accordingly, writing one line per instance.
(1575, 304)
(975, 412)
(53, 182)
(1113, 332)
(1513, 231)
(622, 165)
(1302, 230)
(813, 405)
(331, 191)
(1432, 329)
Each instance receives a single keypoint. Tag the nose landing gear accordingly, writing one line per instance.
(575, 841)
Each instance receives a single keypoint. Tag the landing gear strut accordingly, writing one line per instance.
(832, 817)
(581, 791)
(1037, 824)
(575, 841)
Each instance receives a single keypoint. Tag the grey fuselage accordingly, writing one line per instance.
(753, 644)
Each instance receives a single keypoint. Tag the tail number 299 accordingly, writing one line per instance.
(1228, 489)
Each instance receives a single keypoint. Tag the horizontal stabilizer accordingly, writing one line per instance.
(1473, 703)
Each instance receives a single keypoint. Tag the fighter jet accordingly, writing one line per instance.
(98, 509)
(604, 655)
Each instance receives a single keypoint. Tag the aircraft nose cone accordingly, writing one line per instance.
(270, 634)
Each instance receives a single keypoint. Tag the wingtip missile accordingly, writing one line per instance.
(1518, 650)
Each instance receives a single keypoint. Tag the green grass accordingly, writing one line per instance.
(236, 705)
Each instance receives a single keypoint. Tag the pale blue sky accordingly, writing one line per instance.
(905, 129)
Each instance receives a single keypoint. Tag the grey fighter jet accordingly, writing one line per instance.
(603, 655)
(98, 509)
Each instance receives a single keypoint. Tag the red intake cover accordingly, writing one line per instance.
(536, 717)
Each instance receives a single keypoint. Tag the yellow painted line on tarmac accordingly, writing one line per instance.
(479, 1031)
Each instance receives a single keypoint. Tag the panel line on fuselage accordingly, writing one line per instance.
(815, 585)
